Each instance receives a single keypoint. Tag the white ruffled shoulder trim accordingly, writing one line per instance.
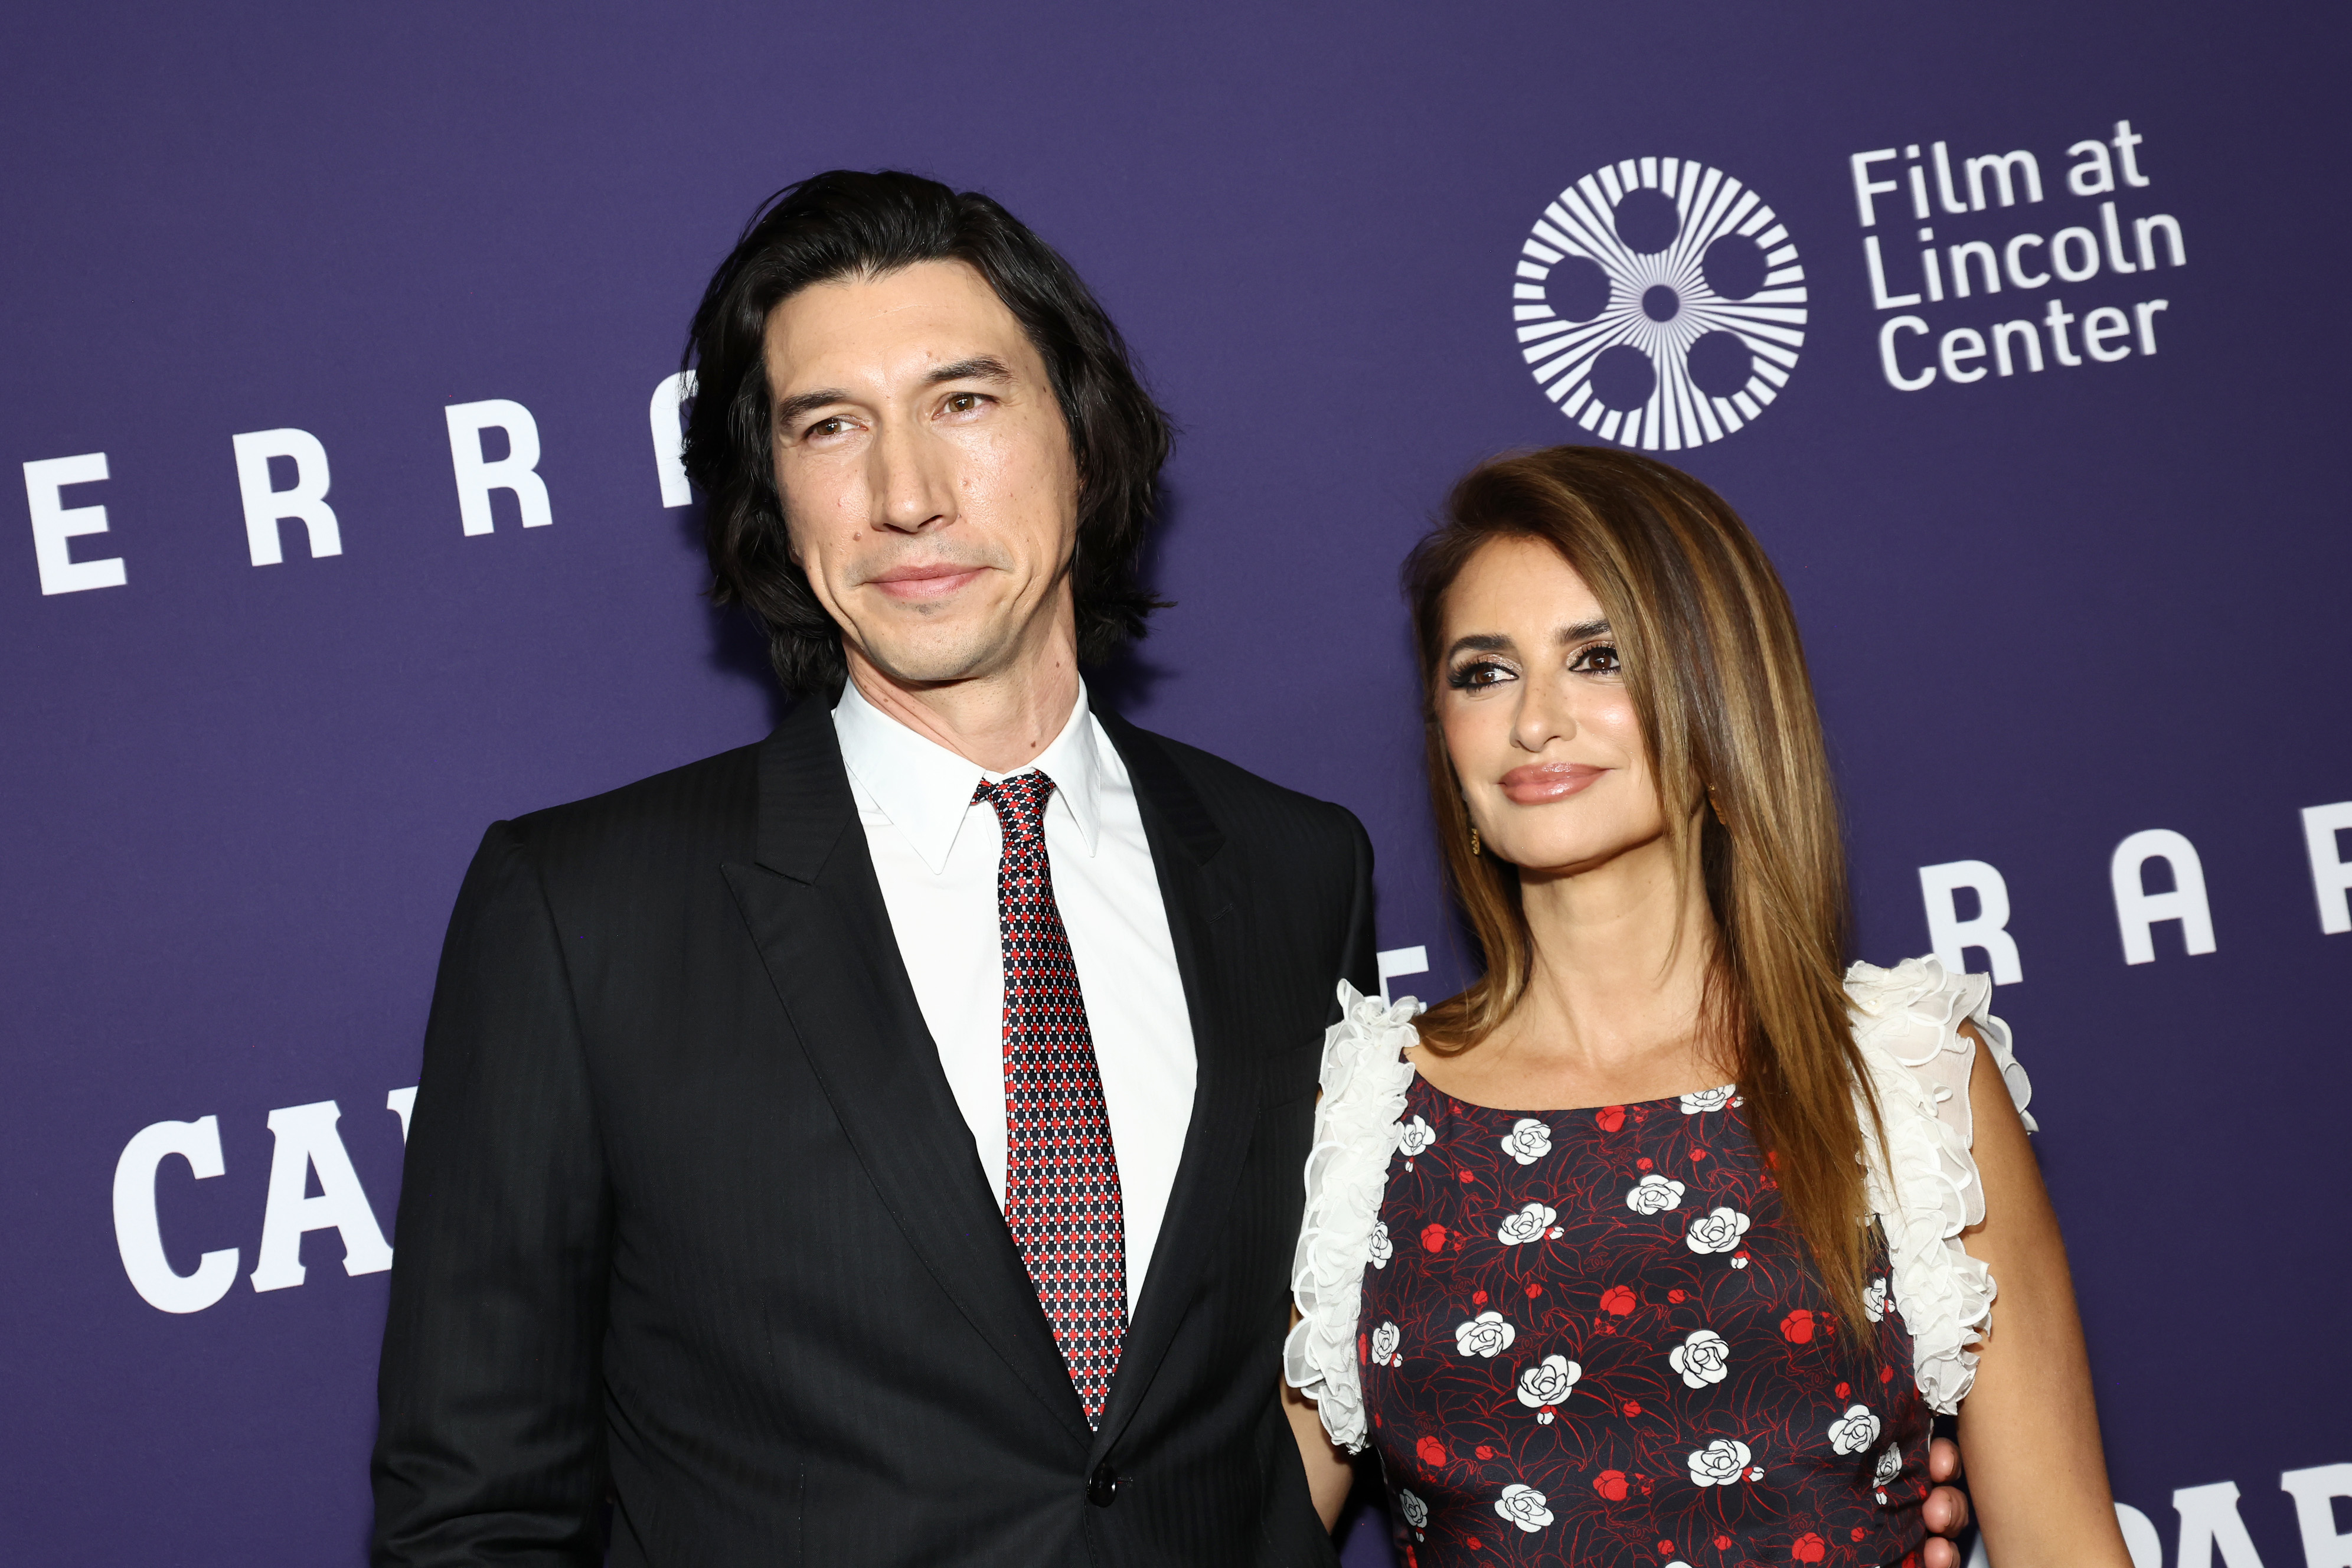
(1364, 1079)
(1923, 1186)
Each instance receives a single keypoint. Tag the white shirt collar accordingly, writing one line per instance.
(926, 790)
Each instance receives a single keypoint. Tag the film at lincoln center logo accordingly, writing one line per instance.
(1659, 303)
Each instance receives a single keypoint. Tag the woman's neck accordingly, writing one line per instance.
(1611, 1014)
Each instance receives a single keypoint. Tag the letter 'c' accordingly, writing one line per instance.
(139, 1236)
(1886, 360)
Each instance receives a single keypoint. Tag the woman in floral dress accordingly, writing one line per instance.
(1664, 1241)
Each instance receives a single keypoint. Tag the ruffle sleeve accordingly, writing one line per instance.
(1364, 1079)
(1923, 1184)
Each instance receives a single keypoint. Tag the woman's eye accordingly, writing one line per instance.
(1600, 659)
(1471, 677)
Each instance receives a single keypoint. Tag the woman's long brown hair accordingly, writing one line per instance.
(1712, 661)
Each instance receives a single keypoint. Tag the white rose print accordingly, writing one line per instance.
(1708, 1100)
(1385, 1340)
(1418, 1137)
(1532, 1223)
(1654, 1194)
(1890, 1463)
(1484, 1335)
(1524, 1506)
(1415, 1511)
(1382, 1247)
(1856, 1430)
(1873, 1301)
(1721, 1463)
(1545, 1386)
(1702, 1359)
(1527, 1140)
(1717, 1231)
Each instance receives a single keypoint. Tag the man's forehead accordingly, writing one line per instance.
(894, 323)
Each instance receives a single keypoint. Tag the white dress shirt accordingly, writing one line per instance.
(935, 853)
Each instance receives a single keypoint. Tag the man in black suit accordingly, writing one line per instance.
(863, 1147)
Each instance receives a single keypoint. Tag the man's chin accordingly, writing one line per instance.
(916, 666)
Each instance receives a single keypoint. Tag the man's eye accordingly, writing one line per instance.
(1480, 673)
(1600, 659)
(825, 427)
(963, 402)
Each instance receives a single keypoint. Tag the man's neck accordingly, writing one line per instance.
(1000, 723)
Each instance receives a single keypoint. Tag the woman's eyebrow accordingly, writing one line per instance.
(1480, 642)
(1583, 629)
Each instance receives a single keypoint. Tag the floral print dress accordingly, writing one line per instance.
(1590, 1337)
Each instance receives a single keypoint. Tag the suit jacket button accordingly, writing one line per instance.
(1102, 1489)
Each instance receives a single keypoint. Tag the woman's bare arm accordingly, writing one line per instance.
(1329, 1474)
(2030, 1429)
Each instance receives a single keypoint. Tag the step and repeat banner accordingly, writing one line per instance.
(339, 378)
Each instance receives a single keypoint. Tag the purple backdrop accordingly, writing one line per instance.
(2048, 609)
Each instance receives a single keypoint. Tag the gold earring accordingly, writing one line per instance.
(1717, 807)
(1474, 839)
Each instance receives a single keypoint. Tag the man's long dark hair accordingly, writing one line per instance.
(848, 224)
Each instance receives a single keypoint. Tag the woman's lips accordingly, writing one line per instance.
(1537, 782)
(933, 582)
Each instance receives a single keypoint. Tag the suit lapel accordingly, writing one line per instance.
(815, 912)
(1202, 894)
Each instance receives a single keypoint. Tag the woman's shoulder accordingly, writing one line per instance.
(1926, 1019)
(1917, 1027)
(1365, 1079)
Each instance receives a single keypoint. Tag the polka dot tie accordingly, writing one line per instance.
(1061, 1176)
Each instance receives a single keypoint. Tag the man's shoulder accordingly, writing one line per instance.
(1239, 800)
(708, 806)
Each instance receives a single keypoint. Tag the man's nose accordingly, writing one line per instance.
(911, 490)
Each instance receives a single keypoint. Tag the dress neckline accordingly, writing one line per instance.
(1728, 1091)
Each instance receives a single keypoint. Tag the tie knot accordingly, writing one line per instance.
(1020, 803)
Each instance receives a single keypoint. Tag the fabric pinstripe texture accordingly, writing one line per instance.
(692, 1218)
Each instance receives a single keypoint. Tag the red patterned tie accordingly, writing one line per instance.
(1061, 1176)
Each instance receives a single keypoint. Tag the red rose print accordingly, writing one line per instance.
(1432, 1237)
(1633, 1407)
(1363, 1349)
(1858, 1533)
(1677, 1297)
(1723, 1544)
(1610, 1118)
(1468, 1176)
(1475, 1544)
(1699, 1153)
(1845, 1391)
(1772, 1158)
(1643, 1164)
(1810, 1548)
(1886, 1375)
(1796, 1328)
(1617, 1300)
(1484, 1452)
(1611, 1484)
(1667, 1547)
(1430, 1452)
(1534, 1289)
(1478, 1297)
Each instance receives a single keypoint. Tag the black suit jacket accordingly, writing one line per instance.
(692, 1223)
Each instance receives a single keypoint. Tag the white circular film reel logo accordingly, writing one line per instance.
(1702, 283)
